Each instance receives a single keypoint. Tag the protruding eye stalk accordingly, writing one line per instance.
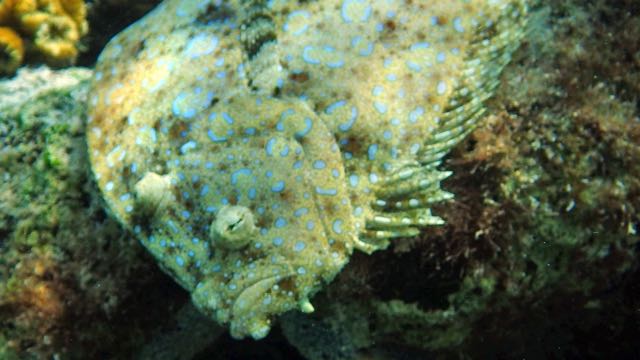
(233, 228)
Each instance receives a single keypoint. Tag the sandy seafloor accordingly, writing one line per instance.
(539, 257)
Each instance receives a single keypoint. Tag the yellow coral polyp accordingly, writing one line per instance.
(77, 11)
(11, 50)
(6, 10)
(56, 38)
(54, 27)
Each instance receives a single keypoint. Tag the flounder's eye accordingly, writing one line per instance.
(233, 228)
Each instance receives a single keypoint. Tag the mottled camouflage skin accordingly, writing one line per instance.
(253, 145)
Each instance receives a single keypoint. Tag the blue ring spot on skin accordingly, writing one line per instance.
(187, 105)
(335, 173)
(125, 197)
(299, 246)
(441, 57)
(287, 26)
(368, 50)
(301, 211)
(344, 11)
(280, 222)
(353, 180)
(284, 152)
(371, 151)
(387, 135)
(457, 24)
(189, 145)
(319, 164)
(301, 271)
(413, 66)
(347, 126)
(200, 45)
(251, 193)
(177, 111)
(214, 137)
(377, 90)
(278, 187)
(441, 88)
(380, 107)
(235, 174)
(333, 107)
(415, 114)
(267, 300)
(297, 165)
(240, 71)
(227, 118)
(336, 64)
(310, 225)
(306, 56)
(326, 191)
(337, 226)
(179, 261)
(308, 125)
(109, 186)
(285, 114)
(278, 241)
(419, 46)
(269, 146)
(250, 131)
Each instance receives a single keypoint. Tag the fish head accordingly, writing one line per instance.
(254, 216)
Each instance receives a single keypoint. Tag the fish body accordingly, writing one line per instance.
(253, 145)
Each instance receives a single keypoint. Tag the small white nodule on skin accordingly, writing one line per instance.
(153, 191)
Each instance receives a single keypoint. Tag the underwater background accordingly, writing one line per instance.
(537, 258)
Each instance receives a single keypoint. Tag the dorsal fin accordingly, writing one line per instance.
(404, 196)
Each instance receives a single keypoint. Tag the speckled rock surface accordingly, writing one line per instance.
(73, 283)
(253, 145)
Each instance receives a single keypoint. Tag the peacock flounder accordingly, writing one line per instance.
(252, 145)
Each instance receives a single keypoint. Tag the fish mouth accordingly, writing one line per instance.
(253, 309)
(252, 294)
